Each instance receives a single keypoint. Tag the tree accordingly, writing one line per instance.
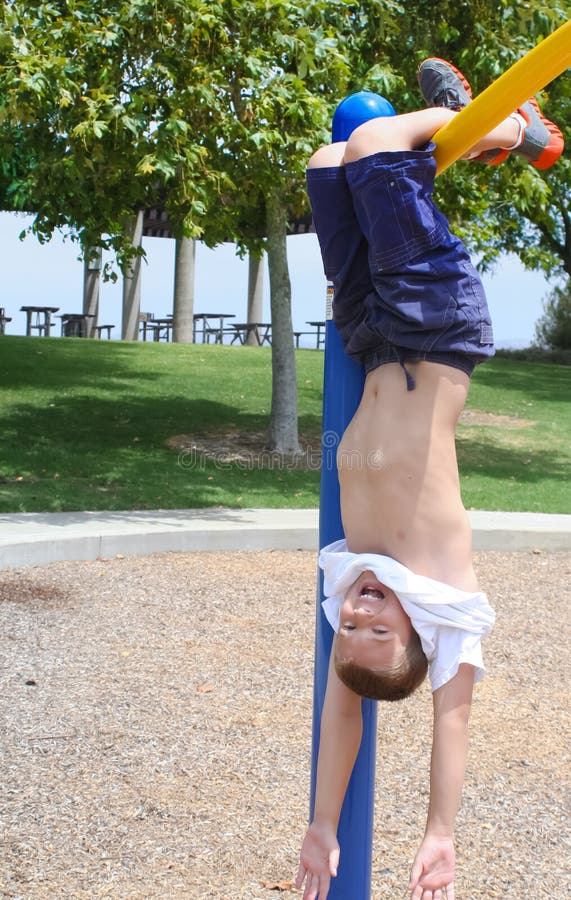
(212, 107)
(553, 329)
(279, 69)
(94, 100)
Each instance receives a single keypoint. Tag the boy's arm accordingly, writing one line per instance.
(340, 738)
(433, 867)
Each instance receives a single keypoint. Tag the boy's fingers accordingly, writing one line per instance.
(415, 874)
(323, 887)
(311, 887)
(300, 876)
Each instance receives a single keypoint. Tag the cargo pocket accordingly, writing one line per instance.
(405, 226)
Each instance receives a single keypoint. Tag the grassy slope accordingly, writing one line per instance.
(84, 425)
(525, 467)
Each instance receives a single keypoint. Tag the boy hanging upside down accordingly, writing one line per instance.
(402, 594)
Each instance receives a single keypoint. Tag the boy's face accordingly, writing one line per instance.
(374, 629)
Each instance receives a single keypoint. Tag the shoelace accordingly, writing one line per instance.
(446, 98)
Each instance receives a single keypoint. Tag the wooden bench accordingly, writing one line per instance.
(107, 328)
(298, 334)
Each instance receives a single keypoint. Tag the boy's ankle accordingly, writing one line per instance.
(521, 124)
(538, 140)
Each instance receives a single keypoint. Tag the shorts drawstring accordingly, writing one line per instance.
(401, 355)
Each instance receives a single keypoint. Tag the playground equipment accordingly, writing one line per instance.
(356, 109)
(343, 386)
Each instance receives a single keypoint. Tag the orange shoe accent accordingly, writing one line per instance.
(554, 149)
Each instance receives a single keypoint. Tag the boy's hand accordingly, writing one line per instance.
(319, 859)
(432, 874)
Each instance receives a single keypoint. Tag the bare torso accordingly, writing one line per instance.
(400, 490)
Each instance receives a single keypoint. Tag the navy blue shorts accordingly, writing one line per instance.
(405, 288)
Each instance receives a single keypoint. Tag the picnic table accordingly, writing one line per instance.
(145, 317)
(320, 332)
(39, 318)
(203, 325)
(261, 330)
(160, 328)
(75, 324)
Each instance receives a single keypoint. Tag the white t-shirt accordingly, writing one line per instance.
(450, 623)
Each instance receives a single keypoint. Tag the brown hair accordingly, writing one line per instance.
(394, 683)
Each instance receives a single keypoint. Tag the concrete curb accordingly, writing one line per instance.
(33, 539)
(39, 538)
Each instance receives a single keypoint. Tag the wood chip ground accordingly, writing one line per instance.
(156, 733)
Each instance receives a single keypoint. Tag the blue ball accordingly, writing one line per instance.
(356, 109)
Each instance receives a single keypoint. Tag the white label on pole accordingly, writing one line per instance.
(329, 301)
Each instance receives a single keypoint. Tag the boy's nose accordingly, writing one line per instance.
(363, 610)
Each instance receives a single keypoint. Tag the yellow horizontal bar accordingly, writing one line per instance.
(527, 76)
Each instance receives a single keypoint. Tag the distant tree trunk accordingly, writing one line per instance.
(183, 309)
(91, 285)
(255, 294)
(283, 433)
(132, 286)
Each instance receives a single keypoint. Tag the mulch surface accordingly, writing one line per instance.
(156, 717)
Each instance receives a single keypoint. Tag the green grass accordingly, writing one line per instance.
(84, 426)
(521, 467)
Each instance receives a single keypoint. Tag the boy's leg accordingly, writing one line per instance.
(428, 299)
(390, 169)
(414, 130)
(343, 248)
(409, 131)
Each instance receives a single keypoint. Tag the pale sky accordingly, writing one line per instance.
(50, 275)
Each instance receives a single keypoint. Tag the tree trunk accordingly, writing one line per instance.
(132, 286)
(91, 285)
(255, 294)
(283, 434)
(183, 309)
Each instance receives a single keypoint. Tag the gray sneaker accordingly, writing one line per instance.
(442, 84)
(542, 143)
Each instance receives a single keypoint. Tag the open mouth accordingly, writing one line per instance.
(372, 593)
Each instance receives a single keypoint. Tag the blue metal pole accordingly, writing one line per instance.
(343, 382)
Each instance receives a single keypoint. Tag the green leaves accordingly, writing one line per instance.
(206, 105)
(553, 330)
